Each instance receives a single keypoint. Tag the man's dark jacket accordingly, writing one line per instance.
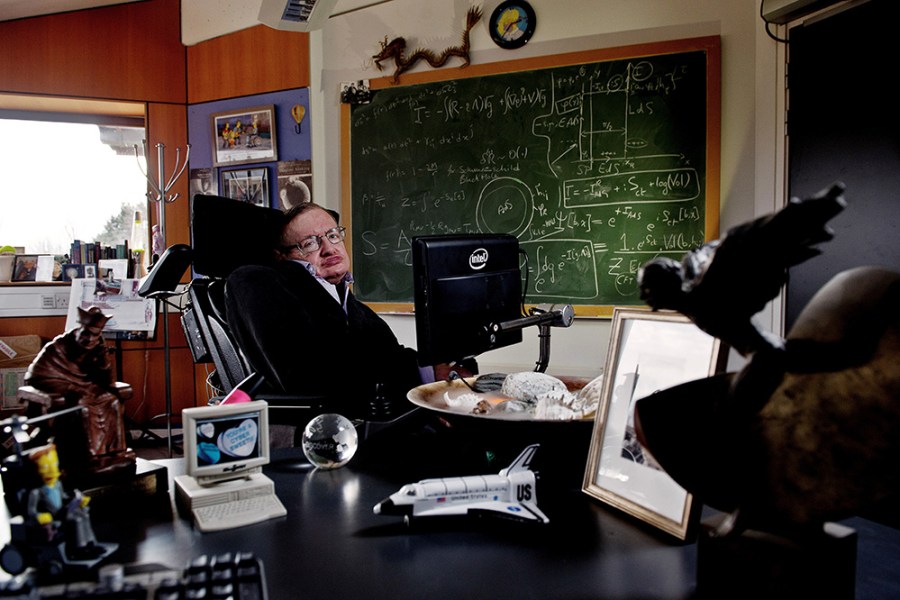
(298, 337)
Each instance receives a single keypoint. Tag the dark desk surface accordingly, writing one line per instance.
(331, 545)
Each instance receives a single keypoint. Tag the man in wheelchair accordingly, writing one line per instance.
(302, 328)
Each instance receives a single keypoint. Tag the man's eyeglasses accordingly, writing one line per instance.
(308, 245)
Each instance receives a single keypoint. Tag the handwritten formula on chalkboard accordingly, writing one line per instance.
(595, 167)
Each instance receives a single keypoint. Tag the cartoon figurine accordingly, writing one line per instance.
(76, 366)
(53, 509)
(49, 528)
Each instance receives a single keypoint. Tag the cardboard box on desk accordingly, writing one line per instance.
(16, 353)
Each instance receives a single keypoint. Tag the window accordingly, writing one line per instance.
(65, 180)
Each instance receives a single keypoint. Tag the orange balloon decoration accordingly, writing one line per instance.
(298, 112)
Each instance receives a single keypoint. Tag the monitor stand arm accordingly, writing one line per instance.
(544, 316)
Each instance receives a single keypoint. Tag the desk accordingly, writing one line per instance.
(331, 545)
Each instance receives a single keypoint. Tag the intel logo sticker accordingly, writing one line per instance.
(478, 259)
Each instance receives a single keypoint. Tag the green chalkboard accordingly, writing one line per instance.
(597, 162)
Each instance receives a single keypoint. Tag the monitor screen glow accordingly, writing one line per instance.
(225, 442)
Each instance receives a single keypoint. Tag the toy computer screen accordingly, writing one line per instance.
(225, 442)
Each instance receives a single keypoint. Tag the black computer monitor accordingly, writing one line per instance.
(464, 284)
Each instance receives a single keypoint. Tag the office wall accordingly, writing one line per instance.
(342, 51)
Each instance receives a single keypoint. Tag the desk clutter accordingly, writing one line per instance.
(238, 575)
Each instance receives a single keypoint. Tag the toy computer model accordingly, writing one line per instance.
(225, 448)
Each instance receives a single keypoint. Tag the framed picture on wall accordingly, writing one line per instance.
(246, 185)
(244, 136)
(648, 352)
(294, 183)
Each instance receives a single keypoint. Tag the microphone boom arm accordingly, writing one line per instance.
(544, 316)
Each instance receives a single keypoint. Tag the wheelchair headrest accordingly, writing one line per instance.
(226, 234)
(167, 272)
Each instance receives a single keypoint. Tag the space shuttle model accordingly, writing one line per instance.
(510, 494)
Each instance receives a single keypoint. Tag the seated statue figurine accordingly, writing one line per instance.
(75, 368)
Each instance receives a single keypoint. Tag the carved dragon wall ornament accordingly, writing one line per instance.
(396, 47)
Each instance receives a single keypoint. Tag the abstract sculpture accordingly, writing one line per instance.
(809, 430)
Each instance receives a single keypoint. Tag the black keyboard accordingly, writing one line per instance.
(229, 576)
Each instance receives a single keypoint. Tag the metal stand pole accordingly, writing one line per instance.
(160, 194)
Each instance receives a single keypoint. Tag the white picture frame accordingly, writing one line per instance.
(648, 351)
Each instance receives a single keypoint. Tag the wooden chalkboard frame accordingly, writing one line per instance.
(710, 45)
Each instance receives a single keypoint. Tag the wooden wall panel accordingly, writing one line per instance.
(252, 61)
(149, 383)
(125, 52)
(46, 327)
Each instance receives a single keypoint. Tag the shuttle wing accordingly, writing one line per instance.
(510, 510)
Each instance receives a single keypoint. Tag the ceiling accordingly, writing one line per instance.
(18, 9)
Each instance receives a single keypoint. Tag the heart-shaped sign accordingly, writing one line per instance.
(208, 453)
(239, 441)
(207, 430)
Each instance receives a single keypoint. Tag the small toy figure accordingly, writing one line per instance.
(49, 527)
(76, 366)
(53, 509)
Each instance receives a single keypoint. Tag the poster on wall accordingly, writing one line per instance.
(204, 181)
(294, 183)
(244, 136)
(117, 298)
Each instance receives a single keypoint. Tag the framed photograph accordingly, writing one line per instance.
(246, 185)
(204, 181)
(294, 183)
(72, 271)
(25, 268)
(648, 351)
(244, 136)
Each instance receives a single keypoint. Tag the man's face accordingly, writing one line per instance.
(330, 260)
